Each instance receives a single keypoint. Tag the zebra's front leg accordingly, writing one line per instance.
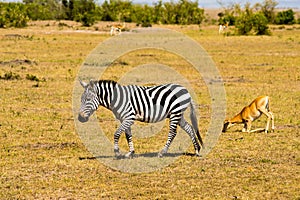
(116, 144)
(128, 134)
(125, 125)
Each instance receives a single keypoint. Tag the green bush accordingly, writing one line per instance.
(244, 22)
(182, 12)
(268, 9)
(32, 77)
(260, 24)
(37, 11)
(13, 15)
(10, 76)
(247, 20)
(285, 17)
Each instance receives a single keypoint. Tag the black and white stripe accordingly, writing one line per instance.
(146, 104)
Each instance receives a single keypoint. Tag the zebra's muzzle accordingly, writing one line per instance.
(82, 118)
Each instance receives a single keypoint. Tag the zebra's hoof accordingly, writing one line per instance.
(198, 155)
(118, 155)
(162, 152)
(129, 155)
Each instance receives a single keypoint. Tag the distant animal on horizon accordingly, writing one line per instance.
(223, 27)
(147, 104)
(259, 106)
(117, 29)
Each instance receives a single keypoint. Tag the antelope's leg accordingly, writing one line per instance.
(247, 126)
(269, 116)
(272, 118)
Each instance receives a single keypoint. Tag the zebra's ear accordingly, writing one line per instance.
(83, 84)
(92, 84)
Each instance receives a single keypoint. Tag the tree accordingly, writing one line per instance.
(183, 12)
(268, 9)
(188, 12)
(247, 20)
(13, 15)
(285, 17)
(260, 24)
(117, 10)
(88, 12)
(244, 22)
(85, 11)
(37, 11)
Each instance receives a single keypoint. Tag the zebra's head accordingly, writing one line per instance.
(88, 101)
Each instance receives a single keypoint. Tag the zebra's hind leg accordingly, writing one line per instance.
(128, 134)
(174, 120)
(190, 131)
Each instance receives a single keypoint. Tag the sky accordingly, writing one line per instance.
(212, 3)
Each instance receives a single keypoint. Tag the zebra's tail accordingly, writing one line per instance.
(195, 122)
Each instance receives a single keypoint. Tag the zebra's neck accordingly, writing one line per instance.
(105, 89)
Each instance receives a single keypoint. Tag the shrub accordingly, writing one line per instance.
(32, 77)
(184, 12)
(10, 76)
(244, 21)
(13, 15)
(260, 24)
(247, 20)
(268, 9)
(285, 17)
(256, 22)
(37, 11)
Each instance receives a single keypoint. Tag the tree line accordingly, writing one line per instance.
(247, 18)
(254, 19)
(88, 12)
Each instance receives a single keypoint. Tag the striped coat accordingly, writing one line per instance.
(147, 104)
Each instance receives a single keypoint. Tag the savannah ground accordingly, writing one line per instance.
(42, 157)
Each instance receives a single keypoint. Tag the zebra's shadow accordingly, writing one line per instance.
(145, 155)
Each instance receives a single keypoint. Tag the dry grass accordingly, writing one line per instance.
(42, 157)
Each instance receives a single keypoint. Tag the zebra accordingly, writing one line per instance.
(147, 104)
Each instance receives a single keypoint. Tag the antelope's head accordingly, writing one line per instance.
(88, 101)
(227, 124)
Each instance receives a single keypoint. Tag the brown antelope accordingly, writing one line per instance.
(223, 27)
(250, 113)
(116, 29)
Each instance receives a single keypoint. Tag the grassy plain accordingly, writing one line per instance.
(42, 156)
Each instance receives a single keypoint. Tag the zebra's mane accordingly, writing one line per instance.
(109, 82)
(114, 83)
